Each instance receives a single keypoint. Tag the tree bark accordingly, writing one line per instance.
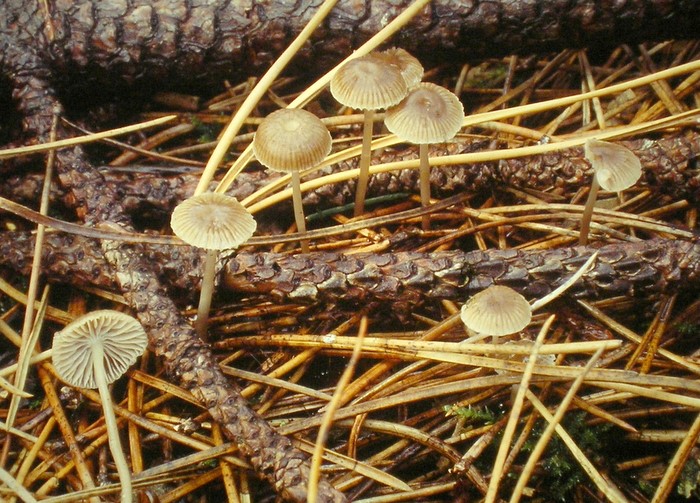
(91, 44)
(179, 39)
(408, 278)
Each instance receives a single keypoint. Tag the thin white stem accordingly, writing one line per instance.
(424, 183)
(588, 212)
(202, 322)
(365, 159)
(115, 444)
(299, 217)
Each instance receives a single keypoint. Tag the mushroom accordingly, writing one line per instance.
(291, 140)
(499, 310)
(615, 168)
(428, 114)
(214, 222)
(94, 351)
(407, 64)
(496, 311)
(367, 83)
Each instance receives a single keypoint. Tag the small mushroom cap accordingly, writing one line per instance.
(368, 83)
(497, 310)
(616, 167)
(429, 114)
(408, 65)
(212, 221)
(291, 139)
(122, 337)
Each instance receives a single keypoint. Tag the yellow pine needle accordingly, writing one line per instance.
(69, 142)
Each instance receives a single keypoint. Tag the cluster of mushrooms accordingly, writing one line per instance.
(292, 140)
(416, 112)
(99, 347)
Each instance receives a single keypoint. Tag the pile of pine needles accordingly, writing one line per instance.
(391, 404)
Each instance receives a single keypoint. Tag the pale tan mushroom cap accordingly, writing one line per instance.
(368, 83)
(429, 114)
(291, 139)
(497, 310)
(407, 64)
(212, 221)
(122, 337)
(616, 167)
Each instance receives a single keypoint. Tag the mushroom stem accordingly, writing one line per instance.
(111, 422)
(424, 183)
(299, 217)
(365, 158)
(588, 212)
(206, 293)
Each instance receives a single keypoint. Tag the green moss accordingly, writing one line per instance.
(487, 76)
(482, 415)
(688, 329)
(689, 481)
(561, 473)
(646, 487)
(209, 464)
(207, 133)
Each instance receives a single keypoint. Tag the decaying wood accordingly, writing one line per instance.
(411, 277)
(168, 41)
(402, 278)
